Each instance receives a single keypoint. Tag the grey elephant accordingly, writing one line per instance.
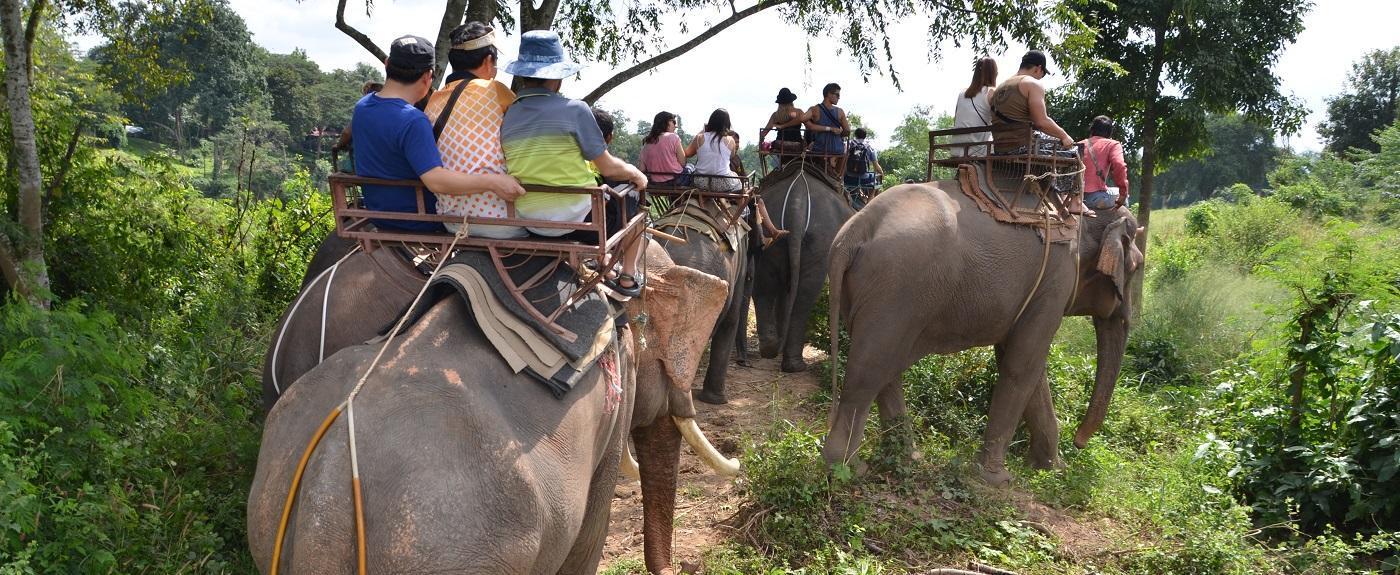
(467, 467)
(790, 273)
(729, 260)
(348, 296)
(921, 270)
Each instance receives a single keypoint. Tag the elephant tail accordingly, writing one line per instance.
(840, 260)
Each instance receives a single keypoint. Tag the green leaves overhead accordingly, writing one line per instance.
(1370, 103)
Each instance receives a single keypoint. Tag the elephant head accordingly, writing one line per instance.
(672, 320)
(1110, 260)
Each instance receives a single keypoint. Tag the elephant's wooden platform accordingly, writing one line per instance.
(716, 215)
(354, 221)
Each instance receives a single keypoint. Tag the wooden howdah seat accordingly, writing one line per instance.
(669, 198)
(1032, 183)
(804, 154)
(354, 221)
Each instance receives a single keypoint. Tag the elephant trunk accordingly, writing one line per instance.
(1112, 335)
(712, 457)
(659, 451)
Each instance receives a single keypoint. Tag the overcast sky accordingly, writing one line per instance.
(743, 67)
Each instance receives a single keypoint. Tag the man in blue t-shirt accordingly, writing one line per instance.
(394, 140)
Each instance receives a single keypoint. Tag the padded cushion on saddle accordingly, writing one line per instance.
(525, 343)
(997, 197)
(705, 218)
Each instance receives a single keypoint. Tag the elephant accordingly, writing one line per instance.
(921, 270)
(467, 467)
(790, 273)
(714, 256)
(347, 297)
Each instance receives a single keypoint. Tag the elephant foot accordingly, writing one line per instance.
(998, 477)
(743, 362)
(768, 350)
(711, 397)
(797, 366)
(1051, 461)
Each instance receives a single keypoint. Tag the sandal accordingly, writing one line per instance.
(615, 284)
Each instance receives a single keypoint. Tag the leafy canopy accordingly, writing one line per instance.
(1369, 104)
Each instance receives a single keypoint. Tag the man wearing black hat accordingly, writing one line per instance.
(1020, 101)
(394, 140)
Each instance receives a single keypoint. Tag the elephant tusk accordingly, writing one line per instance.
(691, 431)
(629, 464)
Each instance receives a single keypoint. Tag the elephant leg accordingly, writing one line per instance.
(767, 306)
(808, 290)
(741, 335)
(894, 417)
(1044, 427)
(588, 547)
(1020, 371)
(658, 457)
(721, 346)
(869, 373)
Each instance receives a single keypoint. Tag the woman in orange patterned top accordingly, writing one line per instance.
(469, 136)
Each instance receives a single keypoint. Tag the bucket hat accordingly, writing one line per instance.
(542, 56)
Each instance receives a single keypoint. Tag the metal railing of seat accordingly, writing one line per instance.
(671, 195)
(1022, 165)
(786, 153)
(354, 221)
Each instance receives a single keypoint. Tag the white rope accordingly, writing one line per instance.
(325, 306)
(277, 346)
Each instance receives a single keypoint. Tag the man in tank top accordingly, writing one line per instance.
(1019, 102)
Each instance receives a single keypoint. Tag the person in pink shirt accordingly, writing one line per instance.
(1103, 158)
(663, 156)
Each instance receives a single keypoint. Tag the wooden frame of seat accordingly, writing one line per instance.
(1036, 165)
(353, 221)
(741, 198)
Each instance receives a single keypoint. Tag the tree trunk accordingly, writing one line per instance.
(22, 250)
(662, 58)
(451, 18)
(541, 18)
(1151, 116)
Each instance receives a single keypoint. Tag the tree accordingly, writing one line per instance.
(1239, 152)
(1371, 103)
(22, 246)
(293, 82)
(907, 156)
(592, 30)
(1171, 62)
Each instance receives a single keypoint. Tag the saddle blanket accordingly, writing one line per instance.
(1030, 211)
(523, 342)
(709, 220)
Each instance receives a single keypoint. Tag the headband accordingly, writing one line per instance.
(488, 40)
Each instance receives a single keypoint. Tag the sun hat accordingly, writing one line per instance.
(542, 56)
(411, 54)
(785, 96)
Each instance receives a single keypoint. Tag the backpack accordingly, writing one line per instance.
(857, 158)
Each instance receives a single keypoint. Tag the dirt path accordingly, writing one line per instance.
(758, 397)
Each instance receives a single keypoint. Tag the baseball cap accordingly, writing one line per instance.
(1035, 58)
(411, 53)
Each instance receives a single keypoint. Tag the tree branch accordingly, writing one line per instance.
(357, 35)
(451, 18)
(57, 184)
(662, 58)
(36, 13)
(9, 268)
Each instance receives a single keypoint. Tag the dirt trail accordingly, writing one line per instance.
(758, 396)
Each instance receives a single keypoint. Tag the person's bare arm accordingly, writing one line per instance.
(616, 170)
(680, 151)
(810, 120)
(845, 124)
(1035, 97)
(441, 180)
(693, 148)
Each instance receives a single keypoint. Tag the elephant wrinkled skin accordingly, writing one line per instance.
(468, 467)
(921, 270)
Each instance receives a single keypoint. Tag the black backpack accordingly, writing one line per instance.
(857, 158)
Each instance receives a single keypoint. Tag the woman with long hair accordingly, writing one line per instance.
(787, 120)
(662, 156)
(974, 109)
(717, 148)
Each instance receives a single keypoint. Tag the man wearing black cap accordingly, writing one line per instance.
(1019, 102)
(394, 140)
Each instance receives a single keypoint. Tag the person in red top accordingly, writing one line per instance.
(1103, 156)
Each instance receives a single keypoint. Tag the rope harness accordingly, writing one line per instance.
(277, 346)
(1044, 198)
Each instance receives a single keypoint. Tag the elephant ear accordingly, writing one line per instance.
(1111, 258)
(681, 305)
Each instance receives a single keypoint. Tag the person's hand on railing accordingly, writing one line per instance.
(636, 178)
(503, 185)
(1067, 142)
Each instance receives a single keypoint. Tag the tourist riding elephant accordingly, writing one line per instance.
(347, 297)
(790, 273)
(922, 270)
(715, 256)
(468, 467)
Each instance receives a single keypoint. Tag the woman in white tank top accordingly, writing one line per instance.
(974, 109)
(714, 147)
